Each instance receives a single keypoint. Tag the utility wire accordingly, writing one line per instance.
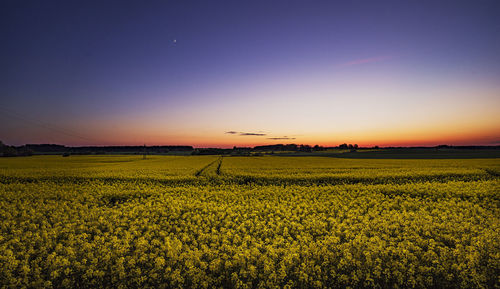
(16, 115)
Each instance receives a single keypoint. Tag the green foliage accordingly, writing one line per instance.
(249, 222)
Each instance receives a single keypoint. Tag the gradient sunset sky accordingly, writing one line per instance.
(224, 73)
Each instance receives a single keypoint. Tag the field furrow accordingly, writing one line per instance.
(235, 222)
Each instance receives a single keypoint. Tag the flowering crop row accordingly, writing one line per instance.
(115, 229)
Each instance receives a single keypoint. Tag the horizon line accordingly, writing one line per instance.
(283, 144)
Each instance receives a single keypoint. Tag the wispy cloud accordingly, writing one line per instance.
(280, 138)
(366, 60)
(252, 134)
(260, 133)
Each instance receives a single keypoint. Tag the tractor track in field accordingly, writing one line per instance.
(202, 170)
(219, 165)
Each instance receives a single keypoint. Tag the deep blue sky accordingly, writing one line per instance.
(128, 72)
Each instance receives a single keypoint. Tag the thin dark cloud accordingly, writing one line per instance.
(240, 133)
(280, 138)
(260, 133)
(252, 134)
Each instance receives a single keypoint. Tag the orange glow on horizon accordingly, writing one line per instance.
(387, 138)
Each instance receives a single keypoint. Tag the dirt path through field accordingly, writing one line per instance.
(206, 168)
(219, 165)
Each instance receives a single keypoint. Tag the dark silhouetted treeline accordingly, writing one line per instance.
(285, 147)
(212, 151)
(130, 149)
(12, 151)
(31, 149)
(348, 150)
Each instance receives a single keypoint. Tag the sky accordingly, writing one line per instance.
(246, 73)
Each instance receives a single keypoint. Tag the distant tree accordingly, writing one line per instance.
(350, 146)
(443, 146)
(24, 151)
(8, 151)
(304, 148)
(356, 146)
(343, 146)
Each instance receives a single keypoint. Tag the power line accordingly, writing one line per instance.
(54, 128)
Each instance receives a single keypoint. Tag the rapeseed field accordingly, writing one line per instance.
(248, 222)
